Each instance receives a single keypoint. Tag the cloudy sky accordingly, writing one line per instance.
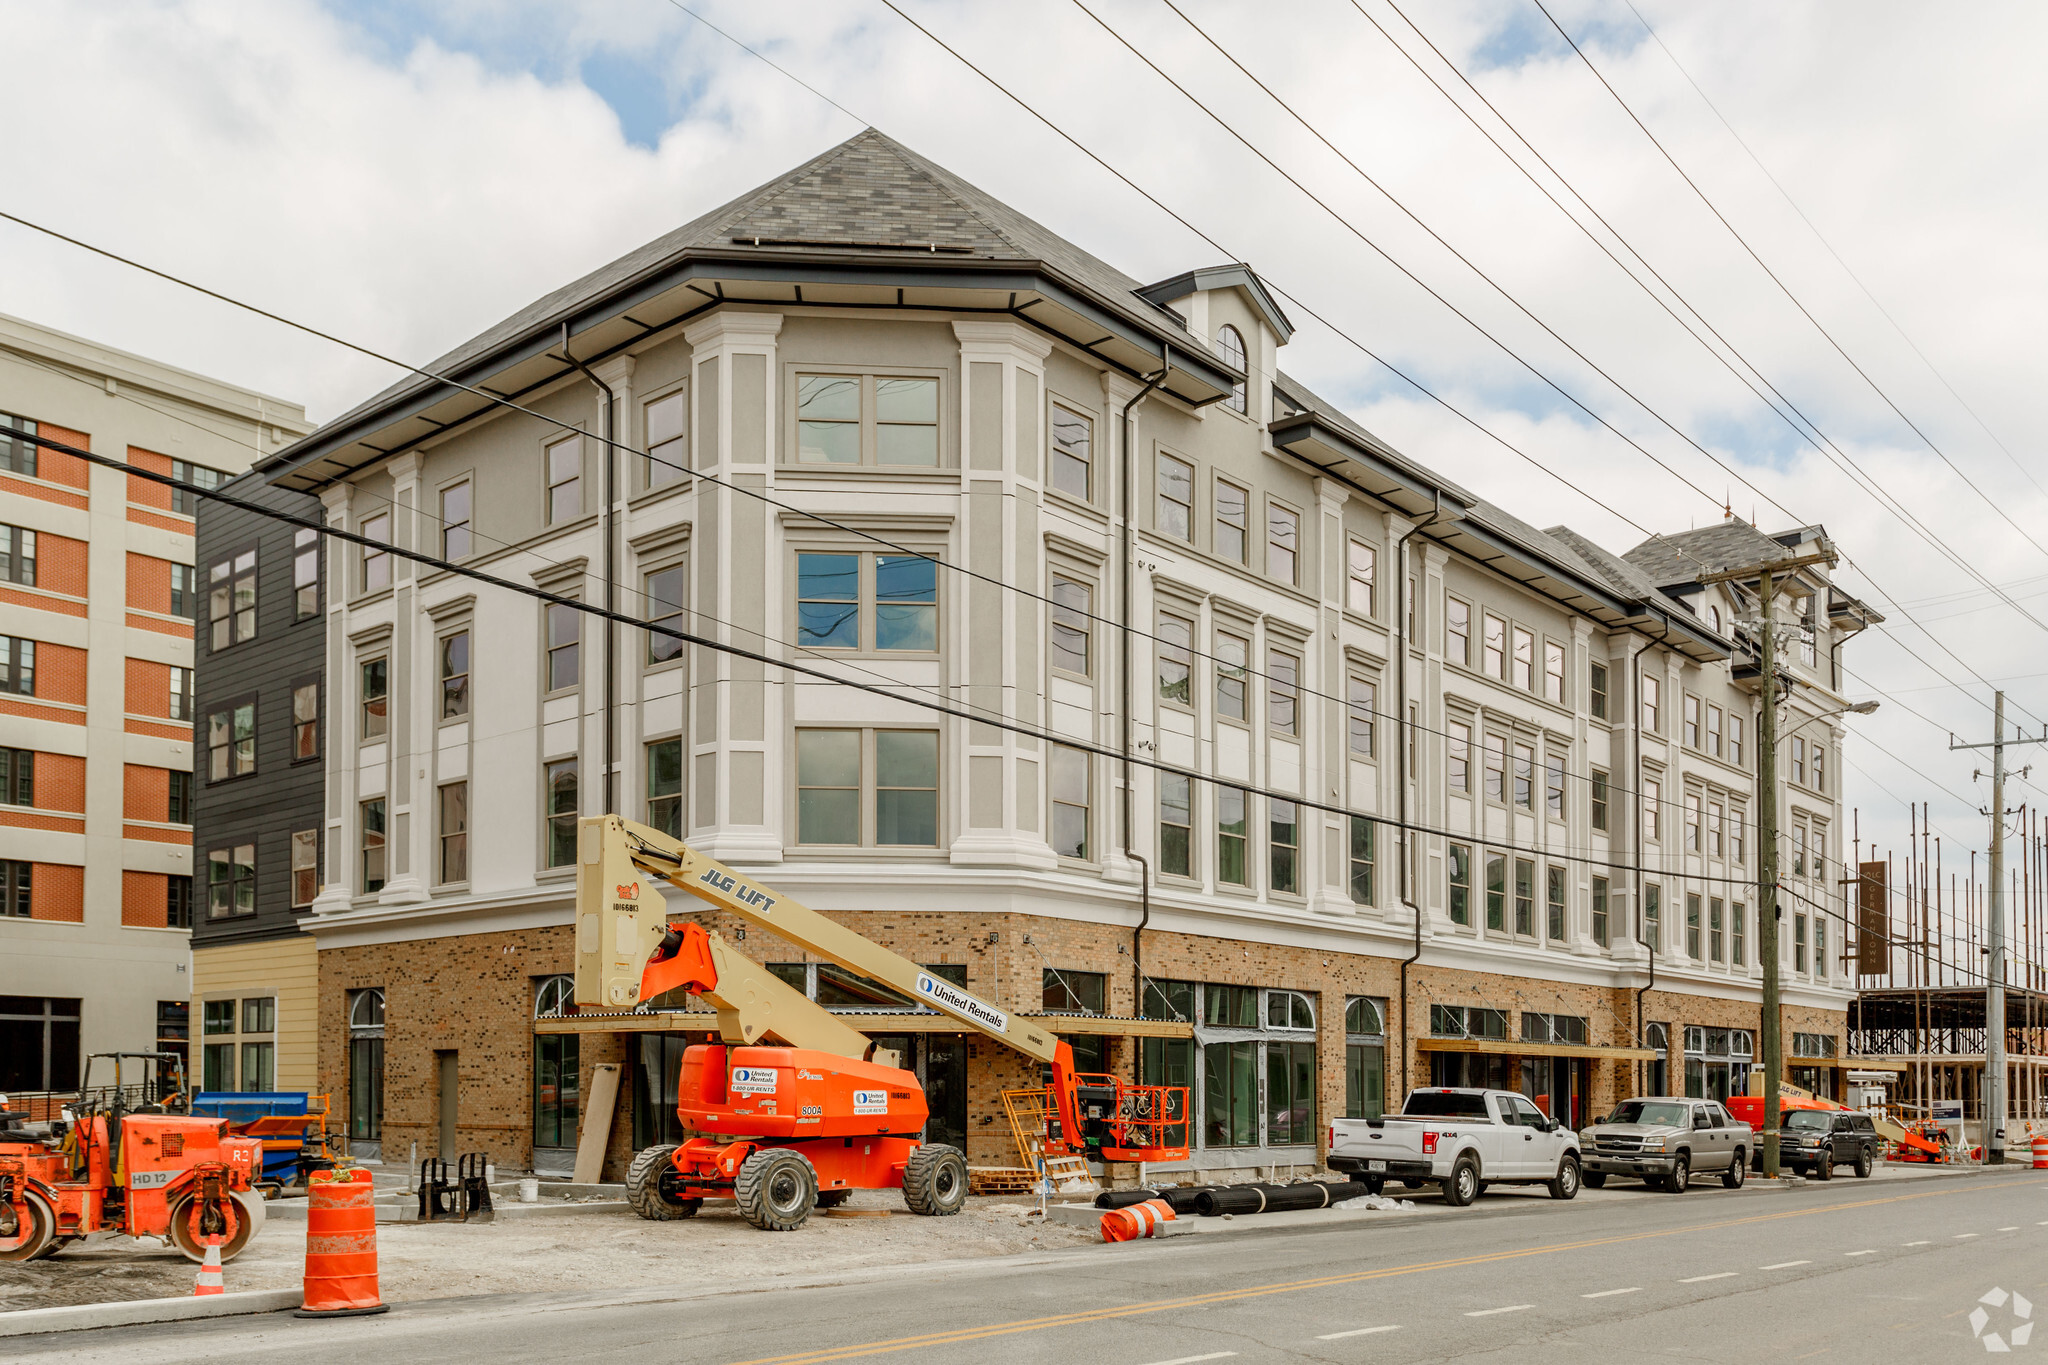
(406, 174)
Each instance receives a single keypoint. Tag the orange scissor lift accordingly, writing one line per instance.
(793, 1108)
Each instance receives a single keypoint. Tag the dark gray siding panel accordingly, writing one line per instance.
(280, 796)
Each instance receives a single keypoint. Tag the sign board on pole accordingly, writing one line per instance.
(1873, 919)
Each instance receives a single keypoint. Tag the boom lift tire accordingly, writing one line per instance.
(935, 1180)
(646, 1177)
(776, 1189)
(35, 1238)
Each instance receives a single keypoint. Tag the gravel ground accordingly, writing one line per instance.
(569, 1251)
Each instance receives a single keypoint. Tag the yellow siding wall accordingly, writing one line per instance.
(287, 968)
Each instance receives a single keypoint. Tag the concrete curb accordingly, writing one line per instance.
(79, 1317)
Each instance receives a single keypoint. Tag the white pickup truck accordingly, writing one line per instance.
(1464, 1140)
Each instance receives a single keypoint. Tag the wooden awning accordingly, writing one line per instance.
(872, 1024)
(1513, 1048)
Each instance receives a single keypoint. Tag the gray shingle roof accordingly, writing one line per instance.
(1627, 581)
(869, 189)
(1684, 555)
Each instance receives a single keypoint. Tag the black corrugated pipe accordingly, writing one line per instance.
(1402, 606)
(1124, 672)
(611, 578)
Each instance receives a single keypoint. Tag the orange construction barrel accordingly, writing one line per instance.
(341, 1245)
(2041, 1151)
(1135, 1221)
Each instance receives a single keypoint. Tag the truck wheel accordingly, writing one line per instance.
(1461, 1187)
(776, 1189)
(1824, 1168)
(935, 1180)
(1594, 1180)
(186, 1215)
(1680, 1179)
(651, 1182)
(1738, 1170)
(1864, 1163)
(35, 1231)
(832, 1199)
(1566, 1185)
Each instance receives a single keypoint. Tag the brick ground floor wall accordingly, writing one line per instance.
(474, 995)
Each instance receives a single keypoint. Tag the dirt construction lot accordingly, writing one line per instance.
(607, 1249)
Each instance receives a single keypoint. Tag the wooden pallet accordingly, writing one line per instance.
(1000, 1180)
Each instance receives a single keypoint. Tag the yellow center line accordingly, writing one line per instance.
(967, 1334)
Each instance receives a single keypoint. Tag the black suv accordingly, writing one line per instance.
(1815, 1141)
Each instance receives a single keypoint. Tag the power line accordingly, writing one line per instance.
(1829, 246)
(1782, 288)
(924, 703)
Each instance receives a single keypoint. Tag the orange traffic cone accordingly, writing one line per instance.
(209, 1270)
(341, 1245)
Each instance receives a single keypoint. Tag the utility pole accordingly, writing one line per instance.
(1994, 937)
(1771, 576)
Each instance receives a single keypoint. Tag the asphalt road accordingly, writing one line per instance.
(1880, 1270)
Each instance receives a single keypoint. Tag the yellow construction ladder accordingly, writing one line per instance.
(1030, 1111)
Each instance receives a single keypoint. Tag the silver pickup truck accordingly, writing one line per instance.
(1665, 1141)
(1463, 1140)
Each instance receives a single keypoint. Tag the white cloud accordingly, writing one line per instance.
(277, 152)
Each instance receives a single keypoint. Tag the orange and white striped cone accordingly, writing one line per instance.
(210, 1281)
(1135, 1221)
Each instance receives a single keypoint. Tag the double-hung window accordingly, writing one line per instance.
(1735, 739)
(1283, 542)
(1072, 626)
(1233, 520)
(178, 808)
(1231, 863)
(374, 847)
(1458, 756)
(668, 446)
(1284, 825)
(564, 646)
(305, 867)
(868, 787)
(1232, 652)
(1073, 453)
(1716, 843)
(1496, 892)
(1363, 860)
(455, 675)
(1553, 785)
(1799, 760)
(184, 590)
(305, 720)
(1176, 825)
(1693, 841)
(231, 881)
(305, 574)
(1554, 903)
(1598, 786)
(1714, 731)
(1596, 691)
(665, 786)
(454, 802)
(1493, 644)
(231, 599)
(561, 808)
(1283, 692)
(1653, 796)
(1525, 776)
(376, 698)
(456, 540)
(1072, 771)
(1524, 677)
(1600, 911)
(1553, 672)
(1525, 897)
(1230, 346)
(1716, 932)
(231, 741)
(1363, 699)
(1689, 722)
(562, 463)
(18, 456)
(1496, 767)
(1176, 512)
(663, 603)
(1176, 660)
(1652, 721)
(18, 777)
(851, 601)
(376, 560)
(1362, 567)
(1458, 875)
(18, 560)
(1458, 632)
(1692, 925)
(179, 703)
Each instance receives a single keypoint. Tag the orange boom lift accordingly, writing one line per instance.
(794, 1108)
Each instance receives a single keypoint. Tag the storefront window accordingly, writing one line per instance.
(366, 1074)
(556, 1060)
(1365, 1058)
